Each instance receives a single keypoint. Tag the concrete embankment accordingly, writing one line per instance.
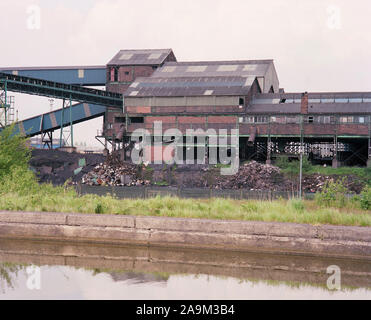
(251, 236)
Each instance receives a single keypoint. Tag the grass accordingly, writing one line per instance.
(296, 211)
(19, 191)
(292, 169)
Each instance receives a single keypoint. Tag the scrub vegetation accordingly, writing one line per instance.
(291, 168)
(20, 191)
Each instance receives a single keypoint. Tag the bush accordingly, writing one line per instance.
(365, 198)
(292, 168)
(13, 151)
(332, 194)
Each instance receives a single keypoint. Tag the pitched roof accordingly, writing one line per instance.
(213, 69)
(140, 57)
(190, 86)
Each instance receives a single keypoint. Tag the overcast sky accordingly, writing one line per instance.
(317, 45)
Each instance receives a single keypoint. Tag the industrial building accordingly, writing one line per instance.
(146, 86)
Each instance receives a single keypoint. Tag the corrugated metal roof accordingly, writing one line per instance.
(245, 68)
(52, 68)
(190, 86)
(140, 57)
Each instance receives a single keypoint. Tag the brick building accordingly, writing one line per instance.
(333, 128)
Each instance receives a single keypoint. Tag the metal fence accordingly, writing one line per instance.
(150, 192)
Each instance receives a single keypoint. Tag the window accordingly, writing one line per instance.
(137, 120)
(261, 119)
(241, 101)
(341, 100)
(292, 119)
(127, 73)
(314, 100)
(116, 76)
(361, 119)
(327, 100)
(119, 119)
(310, 119)
(349, 119)
(326, 119)
(278, 119)
(355, 100)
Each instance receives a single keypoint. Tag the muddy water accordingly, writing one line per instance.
(50, 270)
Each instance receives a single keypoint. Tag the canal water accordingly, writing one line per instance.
(40, 270)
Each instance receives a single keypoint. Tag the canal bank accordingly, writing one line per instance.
(249, 236)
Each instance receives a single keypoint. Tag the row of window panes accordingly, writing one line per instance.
(339, 100)
(312, 100)
(309, 119)
(352, 119)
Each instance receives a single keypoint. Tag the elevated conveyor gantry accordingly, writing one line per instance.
(59, 90)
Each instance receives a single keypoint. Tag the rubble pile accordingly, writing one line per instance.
(114, 173)
(255, 176)
(315, 183)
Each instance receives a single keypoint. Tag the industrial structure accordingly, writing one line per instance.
(146, 86)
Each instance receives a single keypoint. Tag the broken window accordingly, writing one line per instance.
(241, 101)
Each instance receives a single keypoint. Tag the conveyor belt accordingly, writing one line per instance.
(60, 90)
(52, 120)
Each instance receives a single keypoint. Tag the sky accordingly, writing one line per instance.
(317, 45)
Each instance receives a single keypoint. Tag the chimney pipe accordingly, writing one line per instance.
(304, 103)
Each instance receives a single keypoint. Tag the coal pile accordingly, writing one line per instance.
(113, 173)
(57, 167)
(255, 176)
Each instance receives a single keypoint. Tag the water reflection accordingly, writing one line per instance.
(8, 275)
(112, 272)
